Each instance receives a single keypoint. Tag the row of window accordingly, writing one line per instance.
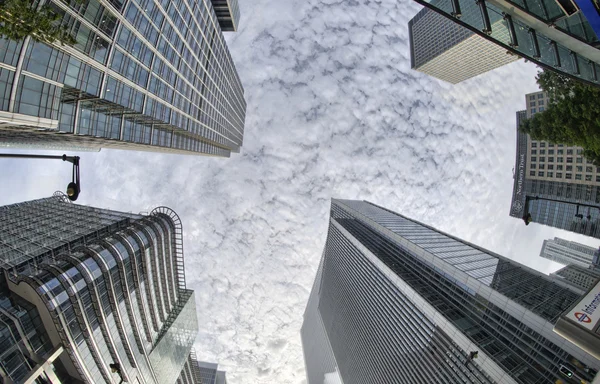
(542, 159)
(559, 175)
(570, 151)
(560, 167)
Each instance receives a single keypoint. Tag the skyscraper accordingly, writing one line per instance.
(568, 252)
(145, 74)
(448, 51)
(580, 277)
(398, 301)
(555, 185)
(200, 372)
(561, 35)
(103, 294)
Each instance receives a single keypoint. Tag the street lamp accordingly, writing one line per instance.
(74, 187)
(116, 368)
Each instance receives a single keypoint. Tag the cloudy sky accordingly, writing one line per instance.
(333, 110)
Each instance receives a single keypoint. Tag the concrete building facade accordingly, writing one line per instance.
(450, 52)
(560, 36)
(568, 252)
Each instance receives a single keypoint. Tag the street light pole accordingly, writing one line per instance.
(527, 216)
(74, 187)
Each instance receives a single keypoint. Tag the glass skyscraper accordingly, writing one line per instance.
(559, 35)
(92, 295)
(152, 75)
(398, 301)
(200, 372)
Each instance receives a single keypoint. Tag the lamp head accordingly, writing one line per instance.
(73, 191)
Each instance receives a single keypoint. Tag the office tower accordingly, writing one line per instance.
(143, 75)
(450, 52)
(399, 301)
(228, 14)
(199, 372)
(579, 277)
(555, 185)
(104, 291)
(568, 252)
(559, 35)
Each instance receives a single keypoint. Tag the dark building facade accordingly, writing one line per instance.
(561, 36)
(568, 201)
(146, 75)
(398, 301)
(101, 295)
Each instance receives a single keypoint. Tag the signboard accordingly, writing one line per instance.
(518, 196)
(586, 312)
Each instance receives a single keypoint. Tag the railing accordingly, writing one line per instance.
(178, 243)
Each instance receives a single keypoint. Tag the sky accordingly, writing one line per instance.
(334, 110)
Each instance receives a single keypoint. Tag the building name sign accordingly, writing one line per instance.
(586, 312)
(518, 205)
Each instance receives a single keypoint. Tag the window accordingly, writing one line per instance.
(549, 174)
(569, 151)
(569, 159)
(533, 166)
(559, 159)
(534, 151)
(541, 102)
(531, 173)
(580, 151)
(551, 151)
(569, 167)
(542, 166)
(534, 145)
(559, 175)
(579, 160)
(540, 96)
(579, 168)
(560, 145)
(551, 159)
(560, 151)
(541, 109)
(541, 173)
(559, 167)
(532, 104)
(542, 159)
(531, 97)
(568, 176)
(589, 169)
(588, 177)
(577, 177)
(533, 111)
(542, 145)
(550, 166)
(542, 151)
(598, 178)
(533, 158)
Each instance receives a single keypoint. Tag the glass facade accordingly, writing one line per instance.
(111, 288)
(200, 372)
(150, 75)
(398, 299)
(571, 204)
(563, 43)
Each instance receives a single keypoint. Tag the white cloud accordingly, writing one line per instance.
(333, 110)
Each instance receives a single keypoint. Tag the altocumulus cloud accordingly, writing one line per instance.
(333, 110)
